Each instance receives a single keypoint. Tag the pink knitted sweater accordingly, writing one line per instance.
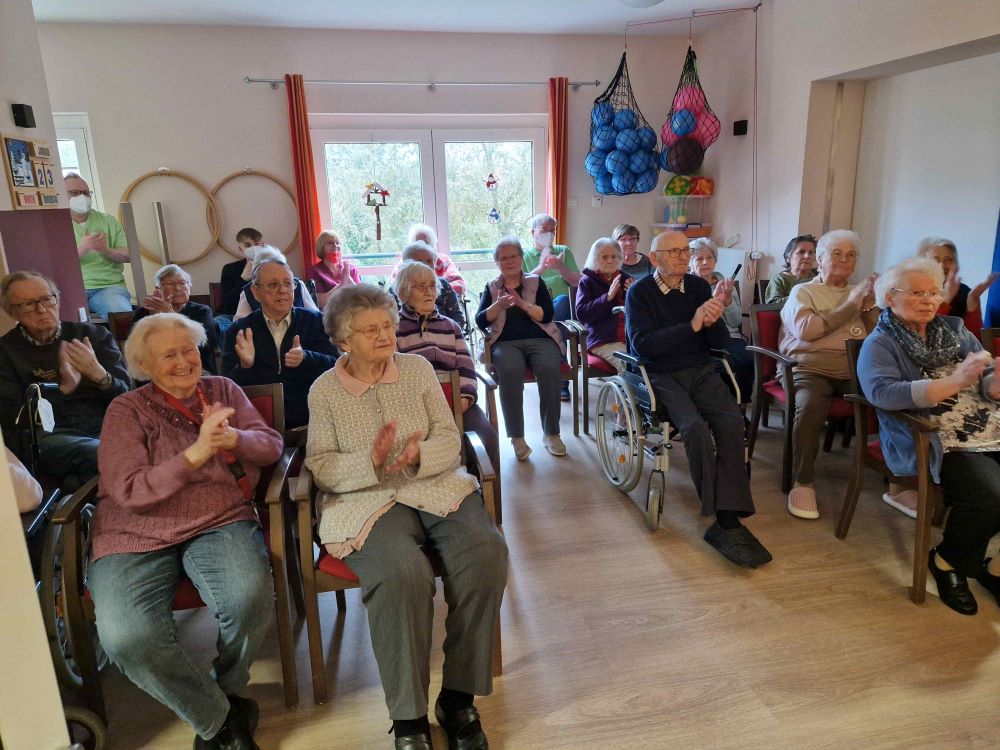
(150, 497)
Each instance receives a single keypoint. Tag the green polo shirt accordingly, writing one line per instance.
(98, 271)
(554, 281)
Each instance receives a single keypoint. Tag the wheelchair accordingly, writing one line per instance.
(632, 425)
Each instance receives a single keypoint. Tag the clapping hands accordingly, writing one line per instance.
(245, 348)
(384, 442)
(77, 360)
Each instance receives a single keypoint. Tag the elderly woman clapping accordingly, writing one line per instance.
(957, 298)
(424, 331)
(516, 313)
(818, 317)
(602, 289)
(179, 458)
(384, 449)
(918, 360)
(172, 293)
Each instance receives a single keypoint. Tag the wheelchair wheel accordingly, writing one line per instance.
(85, 728)
(654, 499)
(53, 605)
(619, 434)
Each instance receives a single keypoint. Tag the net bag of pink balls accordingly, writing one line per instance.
(691, 126)
(622, 157)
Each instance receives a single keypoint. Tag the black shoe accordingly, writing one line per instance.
(733, 545)
(465, 732)
(418, 741)
(989, 581)
(237, 732)
(953, 588)
(760, 555)
(243, 713)
(564, 393)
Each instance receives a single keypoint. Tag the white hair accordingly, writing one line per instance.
(893, 276)
(418, 247)
(834, 236)
(263, 253)
(704, 243)
(422, 229)
(268, 254)
(412, 272)
(599, 244)
(169, 271)
(538, 219)
(348, 301)
(137, 343)
(926, 246)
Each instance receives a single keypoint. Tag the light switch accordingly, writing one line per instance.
(571, 203)
(597, 201)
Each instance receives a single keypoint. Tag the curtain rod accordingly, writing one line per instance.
(430, 85)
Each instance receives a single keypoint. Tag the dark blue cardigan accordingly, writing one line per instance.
(269, 368)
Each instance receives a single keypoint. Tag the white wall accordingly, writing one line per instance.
(930, 164)
(174, 96)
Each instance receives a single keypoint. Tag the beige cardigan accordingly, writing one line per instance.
(342, 429)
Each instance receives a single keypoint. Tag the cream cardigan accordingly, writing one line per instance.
(342, 429)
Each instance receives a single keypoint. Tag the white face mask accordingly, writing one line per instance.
(545, 239)
(80, 204)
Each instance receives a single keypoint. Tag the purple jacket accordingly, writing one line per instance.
(594, 310)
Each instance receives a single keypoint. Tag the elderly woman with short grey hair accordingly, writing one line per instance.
(446, 301)
(384, 449)
(179, 458)
(918, 360)
(818, 317)
(958, 299)
(172, 293)
(602, 289)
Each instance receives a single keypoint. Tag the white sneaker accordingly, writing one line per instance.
(521, 448)
(554, 445)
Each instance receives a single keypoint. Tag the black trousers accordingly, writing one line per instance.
(971, 484)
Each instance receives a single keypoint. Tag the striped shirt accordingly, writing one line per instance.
(440, 341)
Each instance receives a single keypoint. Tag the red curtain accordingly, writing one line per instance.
(307, 204)
(555, 163)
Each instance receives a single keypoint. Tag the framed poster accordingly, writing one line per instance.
(17, 159)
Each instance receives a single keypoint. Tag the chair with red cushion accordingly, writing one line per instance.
(322, 572)
(120, 323)
(990, 337)
(271, 494)
(591, 366)
(868, 454)
(771, 390)
(215, 296)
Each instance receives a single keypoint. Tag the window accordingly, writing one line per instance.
(434, 176)
(76, 150)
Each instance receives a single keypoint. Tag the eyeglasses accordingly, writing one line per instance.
(373, 332)
(274, 286)
(74, 193)
(173, 284)
(42, 303)
(673, 252)
(841, 255)
(423, 288)
(934, 297)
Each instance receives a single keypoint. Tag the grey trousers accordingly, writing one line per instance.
(397, 585)
(703, 409)
(813, 394)
(510, 360)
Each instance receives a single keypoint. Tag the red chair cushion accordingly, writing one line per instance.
(596, 363)
(264, 405)
(334, 566)
(775, 390)
(769, 328)
(874, 449)
(841, 409)
(187, 596)
(446, 387)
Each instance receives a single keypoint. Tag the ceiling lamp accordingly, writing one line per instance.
(640, 3)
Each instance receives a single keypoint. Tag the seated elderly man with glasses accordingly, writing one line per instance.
(279, 343)
(673, 320)
(81, 358)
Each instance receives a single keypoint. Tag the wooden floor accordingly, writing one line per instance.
(615, 637)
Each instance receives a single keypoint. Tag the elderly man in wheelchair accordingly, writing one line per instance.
(673, 321)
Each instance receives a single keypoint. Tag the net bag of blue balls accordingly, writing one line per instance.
(622, 157)
(691, 127)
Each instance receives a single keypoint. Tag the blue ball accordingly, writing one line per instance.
(623, 183)
(682, 122)
(602, 114)
(627, 140)
(647, 139)
(603, 183)
(617, 162)
(595, 162)
(640, 161)
(647, 180)
(625, 119)
(604, 138)
(664, 161)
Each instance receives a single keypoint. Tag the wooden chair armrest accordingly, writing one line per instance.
(484, 466)
(34, 520)
(485, 379)
(780, 358)
(287, 466)
(917, 423)
(570, 327)
(855, 398)
(303, 487)
(69, 509)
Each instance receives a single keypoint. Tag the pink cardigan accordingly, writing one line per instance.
(150, 497)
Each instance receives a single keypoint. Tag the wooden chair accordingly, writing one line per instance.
(591, 366)
(120, 323)
(990, 337)
(569, 367)
(272, 489)
(322, 573)
(215, 296)
(760, 290)
(868, 454)
(772, 391)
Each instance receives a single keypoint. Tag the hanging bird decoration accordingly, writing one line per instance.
(375, 196)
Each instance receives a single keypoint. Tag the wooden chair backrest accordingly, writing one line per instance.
(870, 416)
(451, 384)
(760, 290)
(990, 337)
(120, 323)
(214, 296)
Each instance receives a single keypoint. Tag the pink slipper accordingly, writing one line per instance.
(802, 503)
(904, 502)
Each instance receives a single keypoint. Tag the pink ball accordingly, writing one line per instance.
(707, 130)
(690, 97)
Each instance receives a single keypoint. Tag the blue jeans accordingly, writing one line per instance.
(133, 596)
(109, 299)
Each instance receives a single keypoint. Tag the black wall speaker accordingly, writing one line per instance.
(24, 117)
(740, 127)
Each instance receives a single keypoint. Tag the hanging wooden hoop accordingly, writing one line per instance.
(250, 172)
(212, 212)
